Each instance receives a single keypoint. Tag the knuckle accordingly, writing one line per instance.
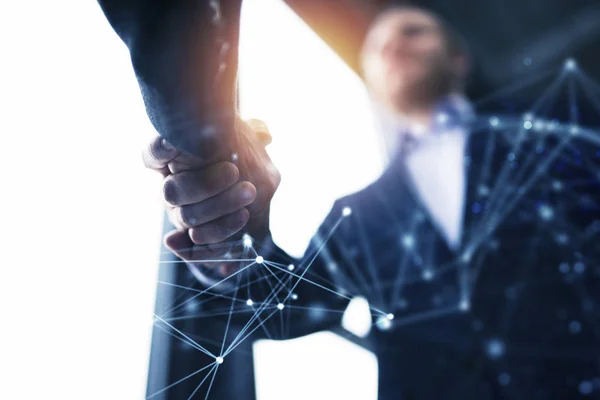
(187, 216)
(230, 172)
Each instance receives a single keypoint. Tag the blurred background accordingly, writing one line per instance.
(81, 218)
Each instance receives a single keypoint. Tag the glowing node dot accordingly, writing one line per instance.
(219, 360)
(527, 125)
(280, 306)
(546, 212)
(294, 296)
(466, 257)
(464, 305)
(564, 267)
(291, 267)
(579, 267)
(247, 240)
(427, 274)
(495, 348)
(586, 387)
(575, 327)
(570, 64)
(234, 157)
(346, 211)
(249, 302)
(260, 260)
(510, 157)
(527, 61)
(494, 121)
(557, 185)
(483, 190)
(408, 241)
(561, 238)
(390, 316)
(574, 130)
(384, 323)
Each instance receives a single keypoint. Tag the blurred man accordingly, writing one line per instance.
(474, 284)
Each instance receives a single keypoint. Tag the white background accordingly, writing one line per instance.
(81, 218)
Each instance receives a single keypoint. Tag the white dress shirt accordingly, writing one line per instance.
(437, 170)
(436, 165)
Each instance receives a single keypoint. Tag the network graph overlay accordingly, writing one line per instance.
(529, 259)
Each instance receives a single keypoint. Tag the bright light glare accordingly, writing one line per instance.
(325, 146)
(318, 111)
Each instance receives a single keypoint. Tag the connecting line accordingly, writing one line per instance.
(585, 83)
(337, 224)
(222, 245)
(213, 342)
(301, 278)
(211, 382)
(401, 270)
(181, 380)
(216, 295)
(251, 321)
(501, 181)
(477, 267)
(229, 316)
(269, 269)
(316, 308)
(499, 199)
(232, 348)
(256, 315)
(268, 281)
(213, 369)
(516, 86)
(542, 168)
(208, 315)
(209, 288)
(197, 346)
(370, 263)
(199, 291)
(588, 81)
(573, 111)
(399, 321)
(176, 337)
(225, 260)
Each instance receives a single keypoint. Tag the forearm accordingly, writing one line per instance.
(184, 54)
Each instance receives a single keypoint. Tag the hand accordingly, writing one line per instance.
(209, 202)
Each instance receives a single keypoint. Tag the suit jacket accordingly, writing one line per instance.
(514, 313)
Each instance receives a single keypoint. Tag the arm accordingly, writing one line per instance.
(184, 54)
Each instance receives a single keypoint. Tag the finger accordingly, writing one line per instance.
(262, 131)
(179, 242)
(158, 154)
(220, 229)
(233, 199)
(191, 187)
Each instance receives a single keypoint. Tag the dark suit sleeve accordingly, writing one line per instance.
(320, 293)
(313, 293)
(184, 54)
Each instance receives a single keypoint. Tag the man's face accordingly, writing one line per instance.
(406, 56)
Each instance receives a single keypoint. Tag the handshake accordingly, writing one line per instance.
(210, 201)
